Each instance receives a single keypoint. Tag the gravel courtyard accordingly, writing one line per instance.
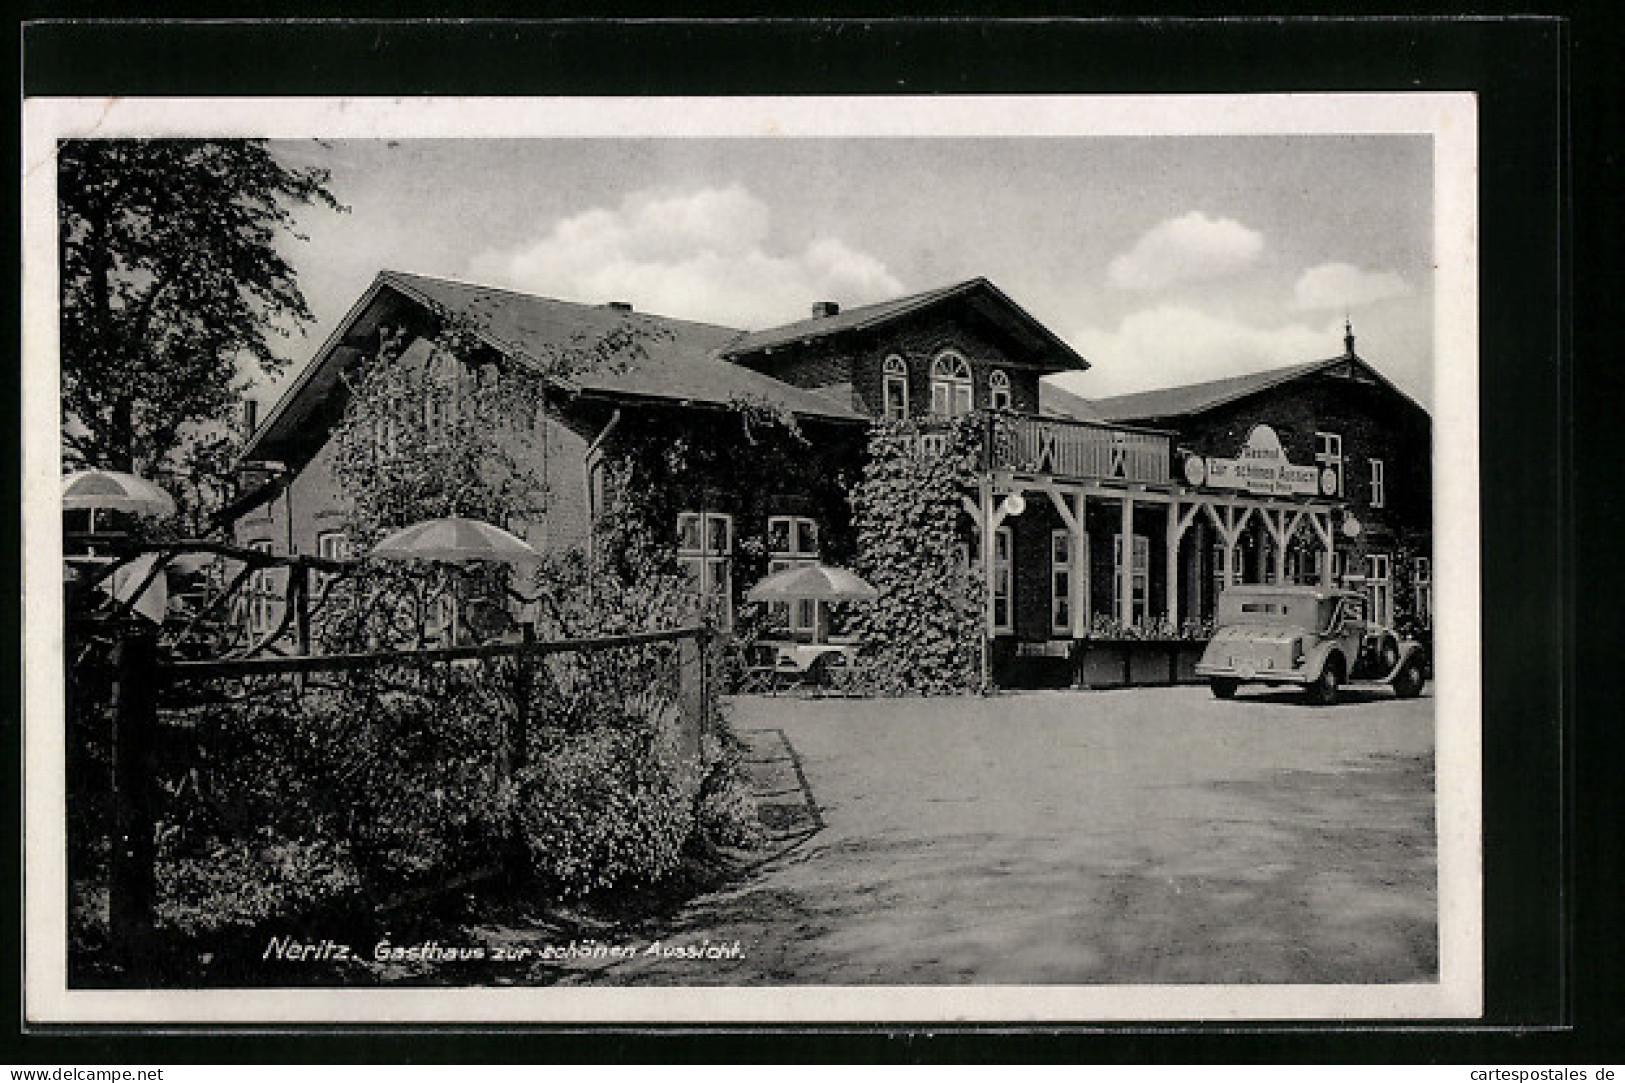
(1142, 836)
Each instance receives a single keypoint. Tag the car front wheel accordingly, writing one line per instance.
(1323, 692)
(1408, 683)
(1223, 687)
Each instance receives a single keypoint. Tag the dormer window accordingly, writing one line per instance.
(895, 407)
(950, 385)
(998, 390)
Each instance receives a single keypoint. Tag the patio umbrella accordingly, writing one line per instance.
(455, 539)
(817, 583)
(114, 490)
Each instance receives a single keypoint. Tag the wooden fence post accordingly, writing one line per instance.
(691, 690)
(132, 879)
(524, 665)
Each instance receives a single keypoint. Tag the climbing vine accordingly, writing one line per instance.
(923, 634)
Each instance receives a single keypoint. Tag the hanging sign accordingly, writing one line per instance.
(1261, 467)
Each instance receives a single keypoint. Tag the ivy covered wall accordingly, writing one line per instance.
(923, 635)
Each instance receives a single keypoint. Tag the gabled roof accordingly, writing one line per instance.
(672, 359)
(1170, 402)
(669, 359)
(865, 317)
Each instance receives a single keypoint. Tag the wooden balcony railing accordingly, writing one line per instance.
(1077, 450)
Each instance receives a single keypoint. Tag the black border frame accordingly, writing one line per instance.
(1520, 69)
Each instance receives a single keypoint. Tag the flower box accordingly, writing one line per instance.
(1127, 663)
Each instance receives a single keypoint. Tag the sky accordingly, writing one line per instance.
(1162, 260)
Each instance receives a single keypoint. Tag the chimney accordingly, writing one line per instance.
(621, 306)
(251, 417)
(822, 309)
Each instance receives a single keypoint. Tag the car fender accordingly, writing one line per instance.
(1409, 651)
(1318, 657)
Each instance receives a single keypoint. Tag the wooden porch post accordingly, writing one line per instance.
(1125, 569)
(1080, 569)
(1229, 532)
(1171, 584)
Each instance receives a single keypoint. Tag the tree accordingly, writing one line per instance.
(171, 276)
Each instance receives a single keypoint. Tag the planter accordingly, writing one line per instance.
(1128, 663)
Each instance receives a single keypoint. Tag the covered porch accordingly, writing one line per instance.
(1079, 529)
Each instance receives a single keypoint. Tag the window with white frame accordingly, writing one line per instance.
(705, 542)
(264, 595)
(1340, 566)
(1003, 580)
(440, 618)
(330, 545)
(1238, 566)
(1060, 598)
(1139, 576)
(1379, 587)
(1003, 574)
(1329, 458)
(950, 385)
(895, 406)
(1422, 575)
(998, 390)
(792, 541)
(1379, 484)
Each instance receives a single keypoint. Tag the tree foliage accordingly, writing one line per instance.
(172, 276)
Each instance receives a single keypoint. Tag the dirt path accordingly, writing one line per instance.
(1145, 836)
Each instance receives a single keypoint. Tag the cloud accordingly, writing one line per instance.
(1174, 344)
(1336, 285)
(1185, 249)
(702, 255)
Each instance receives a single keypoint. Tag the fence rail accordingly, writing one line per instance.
(143, 680)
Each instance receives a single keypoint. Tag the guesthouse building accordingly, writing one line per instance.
(1129, 512)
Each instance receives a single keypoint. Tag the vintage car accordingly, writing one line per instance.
(1315, 637)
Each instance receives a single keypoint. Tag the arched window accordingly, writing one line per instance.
(895, 405)
(998, 390)
(950, 385)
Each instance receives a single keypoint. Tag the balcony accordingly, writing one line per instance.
(1074, 450)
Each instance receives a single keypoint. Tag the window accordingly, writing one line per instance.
(1379, 587)
(1379, 484)
(440, 622)
(1423, 577)
(1003, 579)
(1238, 566)
(998, 390)
(705, 555)
(264, 597)
(950, 385)
(793, 541)
(330, 545)
(895, 407)
(1060, 598)
(1139, 575)
(1329, 457)
(440, 395)
(934, 443)
(1340, 566)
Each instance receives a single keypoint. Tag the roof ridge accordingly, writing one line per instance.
(588, 305)
(1278, 370)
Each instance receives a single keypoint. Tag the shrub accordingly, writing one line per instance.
(242, 882)
(726, 812)
(601, 810)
